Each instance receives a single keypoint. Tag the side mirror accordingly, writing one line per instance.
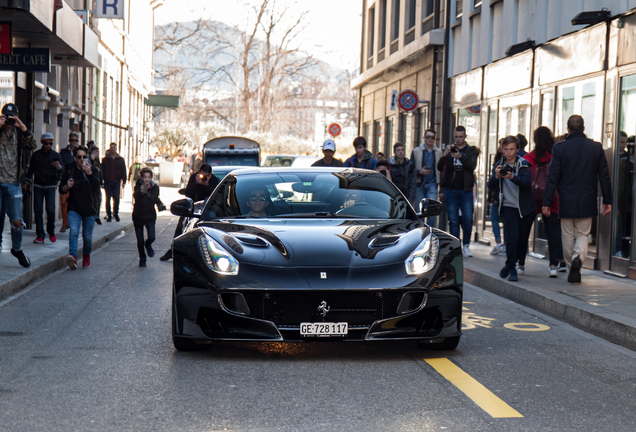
(182, 207)
(430, 207)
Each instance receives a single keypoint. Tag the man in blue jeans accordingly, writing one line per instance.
(425, 158)
(14, 139)
(457, 165)
(45, 168)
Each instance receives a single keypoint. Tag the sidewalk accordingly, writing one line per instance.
(603, 305)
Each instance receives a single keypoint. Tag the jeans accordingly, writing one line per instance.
(43, 195)
(139, 232)
(11, 197)
(552, 226)
(494, 219)
(87, 222)
(457, 200)
(429, 190)
(517, 232)
(112, 189)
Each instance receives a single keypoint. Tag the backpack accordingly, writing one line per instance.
(539, 179)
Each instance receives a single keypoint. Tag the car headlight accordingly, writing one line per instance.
(216, 257)
(424, 256)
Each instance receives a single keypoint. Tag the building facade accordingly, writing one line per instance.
(514, 65)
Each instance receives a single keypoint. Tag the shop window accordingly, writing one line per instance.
(514, 116)
(547, 110)
(584, 98)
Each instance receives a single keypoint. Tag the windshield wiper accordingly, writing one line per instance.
(307, 215)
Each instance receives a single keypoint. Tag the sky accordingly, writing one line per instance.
(332, 31)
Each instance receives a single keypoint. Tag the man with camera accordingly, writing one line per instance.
(457, 166)
(14, 139)
(512, 177)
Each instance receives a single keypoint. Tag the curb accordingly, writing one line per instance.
(34, 274)
(610, 326)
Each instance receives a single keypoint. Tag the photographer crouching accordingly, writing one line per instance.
(512, 176)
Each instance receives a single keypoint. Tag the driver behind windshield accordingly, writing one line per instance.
(257, 202)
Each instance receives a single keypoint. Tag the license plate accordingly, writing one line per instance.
(325, 329)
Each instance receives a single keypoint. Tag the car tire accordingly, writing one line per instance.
(181, 343)
(447, 344)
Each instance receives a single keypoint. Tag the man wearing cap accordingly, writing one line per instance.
(14, 138)
(46, 169)
(328, 150)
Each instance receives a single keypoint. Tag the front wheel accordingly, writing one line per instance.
(449, 343)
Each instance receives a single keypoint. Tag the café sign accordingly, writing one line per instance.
(27, 60)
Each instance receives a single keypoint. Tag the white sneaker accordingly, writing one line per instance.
(498, 249)
(521, 270)
(466, 251)
(552, 272)
(503, 250)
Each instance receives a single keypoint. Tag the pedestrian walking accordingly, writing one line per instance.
(15, 138)
(516, 204)
(146, 196)
(200, 186)
(114, 175)
(577, 167)
(427, 175)
(328, 150)
(134, 172)
(457, 165)
(95, 161)
(68, 159)
(81, 181)
(540, 158)
(361, 158)
(403, 172)
(45, 169)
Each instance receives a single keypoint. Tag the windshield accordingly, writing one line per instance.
(308, 194)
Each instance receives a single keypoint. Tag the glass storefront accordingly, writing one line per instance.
(584, 98)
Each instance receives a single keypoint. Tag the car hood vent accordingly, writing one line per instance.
(253, 241)
(384, 241)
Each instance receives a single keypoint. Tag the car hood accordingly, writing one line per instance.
(320, 243)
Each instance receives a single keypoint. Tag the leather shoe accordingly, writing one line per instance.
(504, 272)
(166, 256)
(575, 271)
(117, 217)
(98, 221)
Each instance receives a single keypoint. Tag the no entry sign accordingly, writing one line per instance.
(334, 129)
(408, 100)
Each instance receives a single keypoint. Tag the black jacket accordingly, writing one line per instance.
(469, 162)
(83, 197)
(578, 166)
(144, 207)
(67, 156)
(114, 169)
(199, 192)
(42, 169)
(403, 176)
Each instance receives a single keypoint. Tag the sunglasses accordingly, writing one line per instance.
(258, 198)
(46, 143)
(429, 136)
(74, 140)
(81, 157)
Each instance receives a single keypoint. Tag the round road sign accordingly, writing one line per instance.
(407, 100)
(334, 129)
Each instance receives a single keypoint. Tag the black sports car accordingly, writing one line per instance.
(301, 254)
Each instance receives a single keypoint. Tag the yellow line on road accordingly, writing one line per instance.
(473, 389)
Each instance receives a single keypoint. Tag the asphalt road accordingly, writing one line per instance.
(90, 350)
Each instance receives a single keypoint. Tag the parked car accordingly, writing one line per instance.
(299, 254)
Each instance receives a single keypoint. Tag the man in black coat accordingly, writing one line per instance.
(46, 168)
(578, 165)
(114, 175)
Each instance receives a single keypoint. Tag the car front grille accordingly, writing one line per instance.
(358, 308)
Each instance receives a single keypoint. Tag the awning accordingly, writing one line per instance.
(162, 101)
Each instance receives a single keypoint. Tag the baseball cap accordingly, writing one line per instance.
(10, 109)
(329, 145)
(47, 136)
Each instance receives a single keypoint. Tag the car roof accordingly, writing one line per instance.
(269, 170)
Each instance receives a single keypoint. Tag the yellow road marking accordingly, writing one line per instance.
(527, 326)
(479, 394)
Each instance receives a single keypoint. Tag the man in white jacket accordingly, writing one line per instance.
(425, 158)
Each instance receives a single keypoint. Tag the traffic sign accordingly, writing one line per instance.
(408, 100)
(334, 129)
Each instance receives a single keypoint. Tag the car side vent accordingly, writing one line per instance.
(411, 302)
(384, 241)
(252, 241)
(231, 242)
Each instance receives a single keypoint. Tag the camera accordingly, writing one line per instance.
(454, 149)
(505, 170)
(383, 172)
(9, 121)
